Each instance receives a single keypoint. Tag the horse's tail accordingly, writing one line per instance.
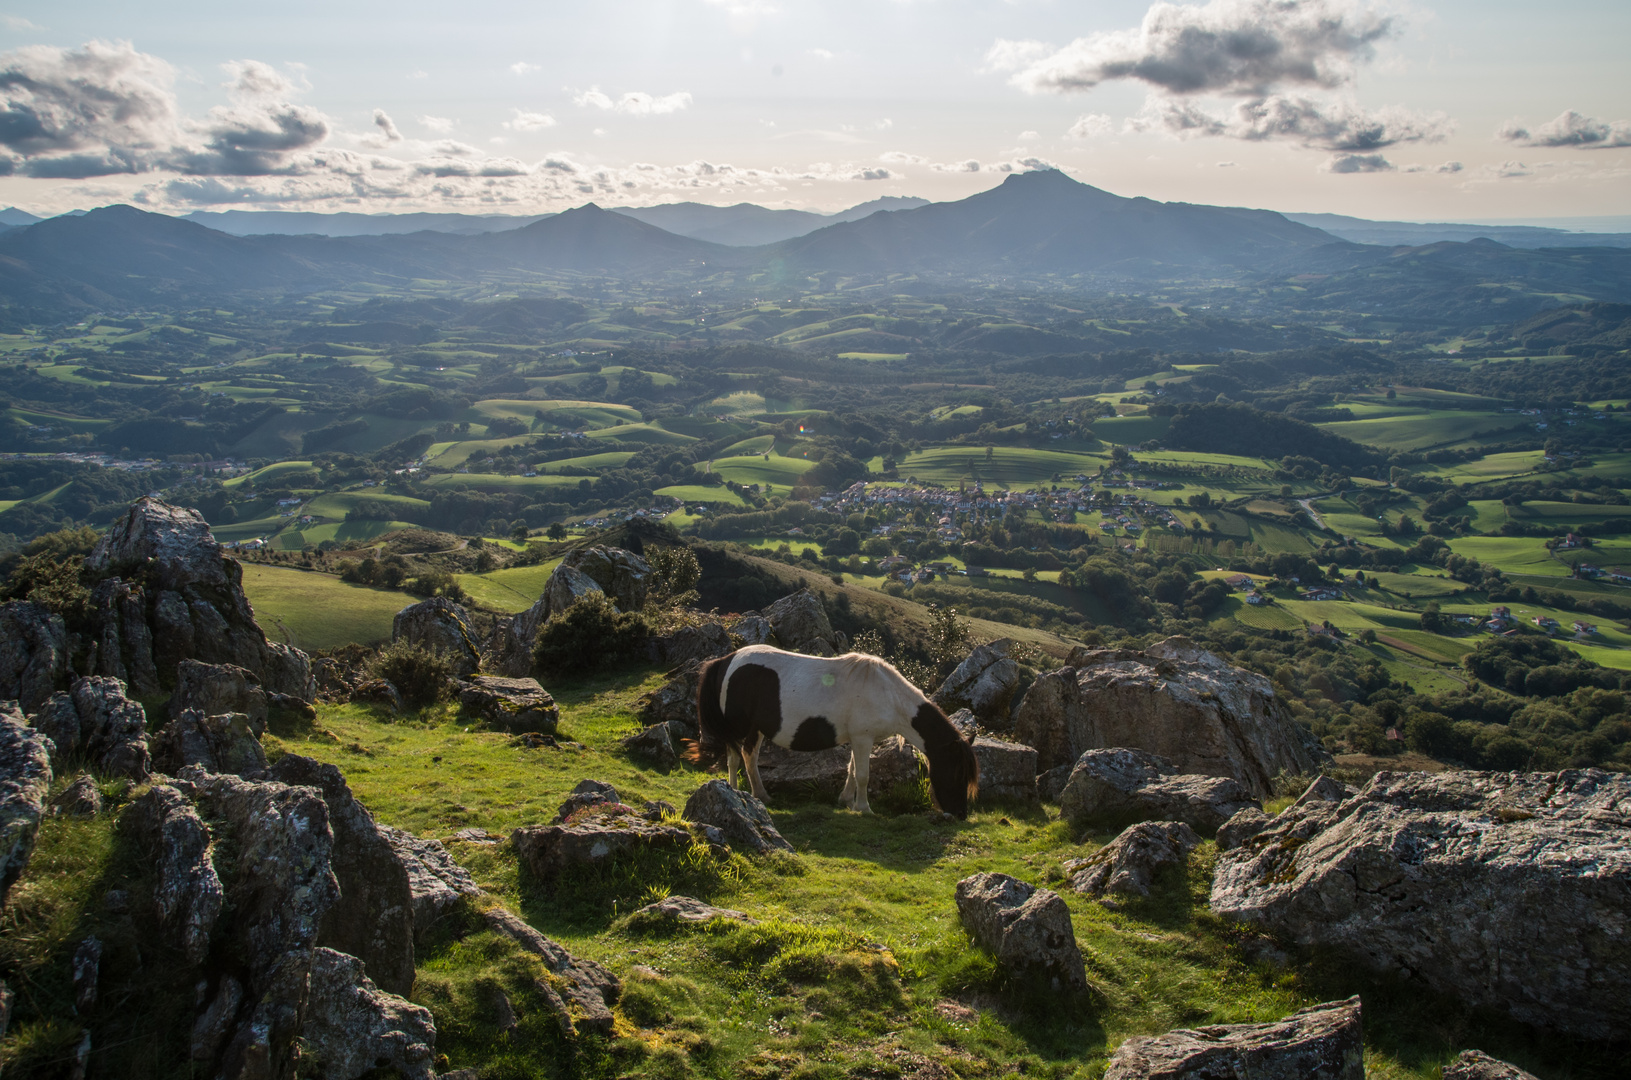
(712, 738)
(971, 767)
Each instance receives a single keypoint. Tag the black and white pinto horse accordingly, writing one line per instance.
(759, 694)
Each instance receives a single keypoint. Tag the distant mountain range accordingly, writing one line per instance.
(1033, 225)
(1414, 233)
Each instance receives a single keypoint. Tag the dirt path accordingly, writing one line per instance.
(1313, 514)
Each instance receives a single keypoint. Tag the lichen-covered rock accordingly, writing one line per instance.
(587, 991)
(674, 701)
(1477, 1065)
(515, 705)
(753, 630)
(33, 653)
(435, 881)
(1026, 928)
(621, 575)
(984, 683)
(1322, 1042)
(373, 916)
(1121, 785)
(216, 689)
(113, 727)
(1007, 770)
(188, 897)
(742, 818)
(655, 745)
(58, 721)
(170, 595)
(692, 644)
(1051, 784)
(78, 799)
(684, 909)
(801, 624)
(220, 744)
(86, 972)
(439, 625)
(590, 838)
(378, 692)
(893, 761)
(1173, 699)
(1242, 827)
(353, 1027)
(1505, 890)
(282, 888)
(25, 779)
(1128, 864)
(334, 680)
(586, 793)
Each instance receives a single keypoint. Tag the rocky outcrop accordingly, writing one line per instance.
(753, 630)
(439, 625)
(692, 644)
(801, 625)
(33, 653)
(586, 793)
(112, 728)
(1007, 770)
(214, 689)
(581, 992)
(168, 595)
(621, 575)
(515, 705)
(1477, 1065)
(984, 684)
(1120, 785)
(25, 779)
(1026, 928)
(1242, 827)
(742, 818)
(78, 799)
(435, 881)
(1128, 864)
(352, 1027)
(189, 895)
(1323, 1042)
(654, 745)
(1506, 890)
(893, 761)
(684, 909)
(219, 744)
(1173, 699)
(373, 916)
(58, 721)
(675, 701)
(590, 839)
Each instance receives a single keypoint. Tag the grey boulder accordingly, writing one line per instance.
(435, 881)
(801, 625)
(753, 630)
(685, 909)
(1121, 785)
(1007, 770)
(439, 625)
(654, 744)
(353, 1027)
(742, 818)
(1322, 1042)
(1026, 928)
(1477, 1065)
(1505, 890)
(112, 727)
(692, 644)
(58, 721)
(188, 896)
(783, 771)
(581, 993)
(214, 689)
(984, 683)
(1128, 864)
(220, 744)
(78, 799)
(33, 653)
(1173, 699)
(25, 779)
(675, 701)
(516, 705)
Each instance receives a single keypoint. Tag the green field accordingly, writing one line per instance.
(1417, 431)
(702, 493)
(1008, 466)
(755, 469)
(641, 433)
(558, 415)
(511, 590)
(1130, 430)
(317, 611)
(268, 476)
(496, 482)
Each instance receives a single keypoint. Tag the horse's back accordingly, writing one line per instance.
(812, 702)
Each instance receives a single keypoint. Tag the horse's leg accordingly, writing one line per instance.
(847, 799)
(732, 752)
(860, 762)
(750, 765)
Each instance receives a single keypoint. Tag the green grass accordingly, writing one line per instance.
(318, 611)
(641, 433)
(270, 475)
(614, 459)
(511, 590)
(754, 469)
(1130, 430)
(702, 493)
(1419, 430)
(1011, 466)
(496, 482)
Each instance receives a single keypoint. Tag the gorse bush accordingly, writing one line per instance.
(675, 573)
(421, 676)
(589, 636)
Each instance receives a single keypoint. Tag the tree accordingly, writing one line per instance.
(556, 531)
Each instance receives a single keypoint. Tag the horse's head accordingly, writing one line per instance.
(954, 771)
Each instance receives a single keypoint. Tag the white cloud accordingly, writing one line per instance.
(1358, 163)
(386, 126)
(521, 120)
(1335, 126)
(1087, 127)
(1236, 47)
(1226, 165)
(1571, 129)
(19, 24)
(521, 67)
(1449, 167)
(439, 124)
(1029, 136)
(633, 103)
(821, 54)
(420, 73)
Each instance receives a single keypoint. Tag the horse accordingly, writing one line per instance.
(758, 694)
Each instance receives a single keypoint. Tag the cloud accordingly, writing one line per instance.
(1333, 126)
(1449, 167)
(821, 54)
(255, 80)
(971, 165)
(875, 173)
(522, 120)
(439, 124)
(521, 67)
(1232, 47)
(898, 157)
(1358, 163)
(1571, 129)
(634, 103)
(386, 126)
(1226, 165)
(1029, 136)
(1086, 127)
(18, 23)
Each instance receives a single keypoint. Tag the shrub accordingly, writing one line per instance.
(675, 573)
(422, 677)
(588, 636)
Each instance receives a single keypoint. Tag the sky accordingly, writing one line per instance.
(1440, 110)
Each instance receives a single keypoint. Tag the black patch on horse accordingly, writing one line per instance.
(815, 733)
(753, 703)
(954, 770)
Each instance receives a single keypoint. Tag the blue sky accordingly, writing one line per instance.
(1443, 111)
